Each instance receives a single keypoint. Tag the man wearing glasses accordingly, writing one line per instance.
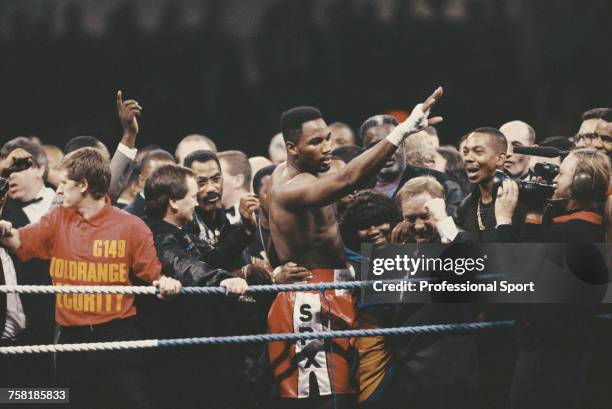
(594, 131)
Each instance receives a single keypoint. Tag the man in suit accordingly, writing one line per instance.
(28, 200)
(422, 362)
(123, 159)
(237, 174)
(13, 369)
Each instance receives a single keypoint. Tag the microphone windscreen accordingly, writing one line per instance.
(545, 151)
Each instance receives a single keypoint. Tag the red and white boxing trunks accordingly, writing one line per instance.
(297, 365)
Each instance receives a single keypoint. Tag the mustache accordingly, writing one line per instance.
(211, 196)
(422, 231)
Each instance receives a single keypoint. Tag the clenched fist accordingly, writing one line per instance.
(436, 208)
(6, 228)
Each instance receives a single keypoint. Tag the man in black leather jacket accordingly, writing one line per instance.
(171, 195)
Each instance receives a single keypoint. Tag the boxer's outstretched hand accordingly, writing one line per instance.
(418, 120)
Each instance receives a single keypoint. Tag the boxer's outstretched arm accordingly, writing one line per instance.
(311, 191)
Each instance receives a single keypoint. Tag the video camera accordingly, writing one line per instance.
(533, 192)
(529, 191)
(19, 165)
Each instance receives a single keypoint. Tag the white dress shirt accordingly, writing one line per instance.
(127, 151)
(36, 210)
(15, 317)
(447, 230)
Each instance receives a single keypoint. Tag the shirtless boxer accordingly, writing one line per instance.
(305, 231)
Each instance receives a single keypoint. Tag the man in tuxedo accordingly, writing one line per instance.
(28, 200)
(237, 174)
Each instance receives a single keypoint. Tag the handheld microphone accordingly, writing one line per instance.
(544, 151)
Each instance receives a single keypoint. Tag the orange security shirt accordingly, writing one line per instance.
(103, 250)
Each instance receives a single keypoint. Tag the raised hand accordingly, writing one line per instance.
(128, 111)
(15, 154)
(436, 208)
(249, 203)
(417, 120)
(429, 103)
(505, 204)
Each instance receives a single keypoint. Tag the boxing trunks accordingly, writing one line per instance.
(299, 365)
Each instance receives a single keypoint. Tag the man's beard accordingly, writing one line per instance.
(206, 205)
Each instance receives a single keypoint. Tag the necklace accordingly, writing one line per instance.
(482, 211)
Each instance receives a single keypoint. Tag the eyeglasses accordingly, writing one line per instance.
(586, 136)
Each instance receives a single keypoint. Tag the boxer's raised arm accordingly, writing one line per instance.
(311, 191)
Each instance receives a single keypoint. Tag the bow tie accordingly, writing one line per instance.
(231, 210)
(35, 200)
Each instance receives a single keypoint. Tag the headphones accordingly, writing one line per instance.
(583, 183)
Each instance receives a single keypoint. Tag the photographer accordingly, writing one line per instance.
(555, 340)
(575, 213)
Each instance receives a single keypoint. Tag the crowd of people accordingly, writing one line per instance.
(198, 217)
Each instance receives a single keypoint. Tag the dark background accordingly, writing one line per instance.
(229, 68)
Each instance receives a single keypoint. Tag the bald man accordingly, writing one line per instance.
(276, 150)
(518, 133)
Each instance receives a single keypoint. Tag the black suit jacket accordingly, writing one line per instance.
(16, 263)
(38, 308)
(2, 301)
(466, 218)
(137, 207)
